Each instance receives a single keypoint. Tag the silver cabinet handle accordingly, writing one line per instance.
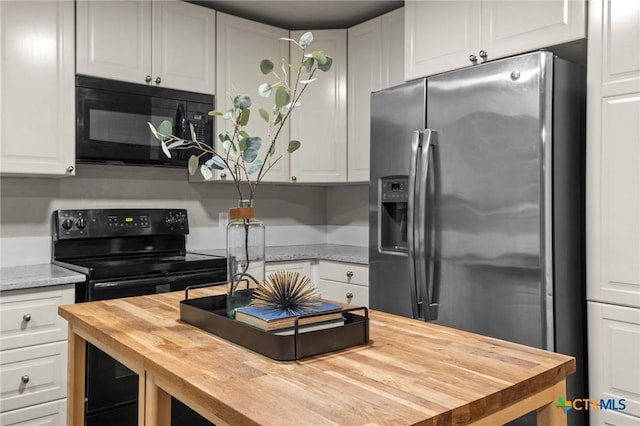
(147, 79)
(70, 169)
(158, 80)
(349, 295)
(293, 178)
(26, 317)
(473, 58)
(483, 55)
(349, 274)
(223, 175)
(24, 379)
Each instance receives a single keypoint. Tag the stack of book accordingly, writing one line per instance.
(282, 322)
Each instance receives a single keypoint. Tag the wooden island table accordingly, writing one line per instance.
(410, 373)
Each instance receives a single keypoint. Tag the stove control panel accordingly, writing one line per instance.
(101, 223)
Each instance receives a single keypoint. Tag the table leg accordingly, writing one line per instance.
(157, 404)
(550, 414)
(75, 379)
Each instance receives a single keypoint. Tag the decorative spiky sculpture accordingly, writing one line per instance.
(289, 291)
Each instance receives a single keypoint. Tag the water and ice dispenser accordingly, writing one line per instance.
(394, 199)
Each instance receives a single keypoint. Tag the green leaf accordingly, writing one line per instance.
(282, 97)
(165, 128)
(293, 146)
(319, 56)
(278, 118)
(306, 39)
(206, 172)
(215, 112)
(242, 102)
(243, 133)
(223, 137)
(154, 131)
(264, 114)
(175, 144)
(295, 70)
(216, 163)
(255, 167)
(251, 152)
(243, 119)
(243, 144)
(165, 149)
(327, 65)
(193, 132)
(272, 150)
(193, 164)
(265, 90)
(308, 63)
(230, 148)
(228, 114)
(266, 66)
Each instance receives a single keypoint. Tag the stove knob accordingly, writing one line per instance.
(67, 224)
(180, 220)
(170, 221)
(81, 223)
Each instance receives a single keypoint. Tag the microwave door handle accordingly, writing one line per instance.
(414, 188)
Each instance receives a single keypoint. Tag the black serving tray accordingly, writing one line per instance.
(209, 314)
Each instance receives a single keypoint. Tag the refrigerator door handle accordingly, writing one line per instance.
(424, 231)
(414, 188)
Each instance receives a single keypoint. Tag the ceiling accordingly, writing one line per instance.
(304, 14)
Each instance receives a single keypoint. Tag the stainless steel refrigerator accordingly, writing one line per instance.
(477, 203)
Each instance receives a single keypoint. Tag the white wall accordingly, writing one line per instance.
(293, 214)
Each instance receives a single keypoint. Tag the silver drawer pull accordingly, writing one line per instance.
(349, 295)
(350, 274)
(26, 317)
(24, 379)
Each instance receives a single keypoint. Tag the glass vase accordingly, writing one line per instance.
(245, 255)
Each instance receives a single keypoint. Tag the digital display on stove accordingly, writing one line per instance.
(141, 221)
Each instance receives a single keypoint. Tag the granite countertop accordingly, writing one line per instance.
(40, 275)
(46, 274)
(335, 252)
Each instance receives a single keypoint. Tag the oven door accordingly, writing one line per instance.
(110, 386)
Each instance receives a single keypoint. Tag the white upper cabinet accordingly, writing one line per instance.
(445, 35)
(161, 43)
(375, 62)
(241, 45)
(320, 123)
(37, 89)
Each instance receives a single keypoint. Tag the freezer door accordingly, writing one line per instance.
(395, 115)
(494, 146)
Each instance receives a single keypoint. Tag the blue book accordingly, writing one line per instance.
(273, 319)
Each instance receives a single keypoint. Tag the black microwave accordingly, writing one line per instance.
(112, 116)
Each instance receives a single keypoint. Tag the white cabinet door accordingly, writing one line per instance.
(48, 414)
(614, 354)
(510, 27)
(114, 39)
(320, 123)
(37, 110)
(613, 152)
(393, 48)
(445, 35)
(164, 43)
(364, 77)
(440, 35)
(302, 267)
(344, 282)
(241, 45)
(184, 46)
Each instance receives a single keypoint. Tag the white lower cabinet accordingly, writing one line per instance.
(49, 414)
(33, 356)
(303, 267)
(614, 362)
(344, 282)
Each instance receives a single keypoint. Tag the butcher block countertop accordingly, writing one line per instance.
(410, 373)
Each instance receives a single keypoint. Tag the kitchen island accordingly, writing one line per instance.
(410, 372)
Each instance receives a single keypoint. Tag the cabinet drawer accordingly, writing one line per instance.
(33, 375)
(30, 317)
(303, 267)
(356, 295)
(344, 272)
(48, 414)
